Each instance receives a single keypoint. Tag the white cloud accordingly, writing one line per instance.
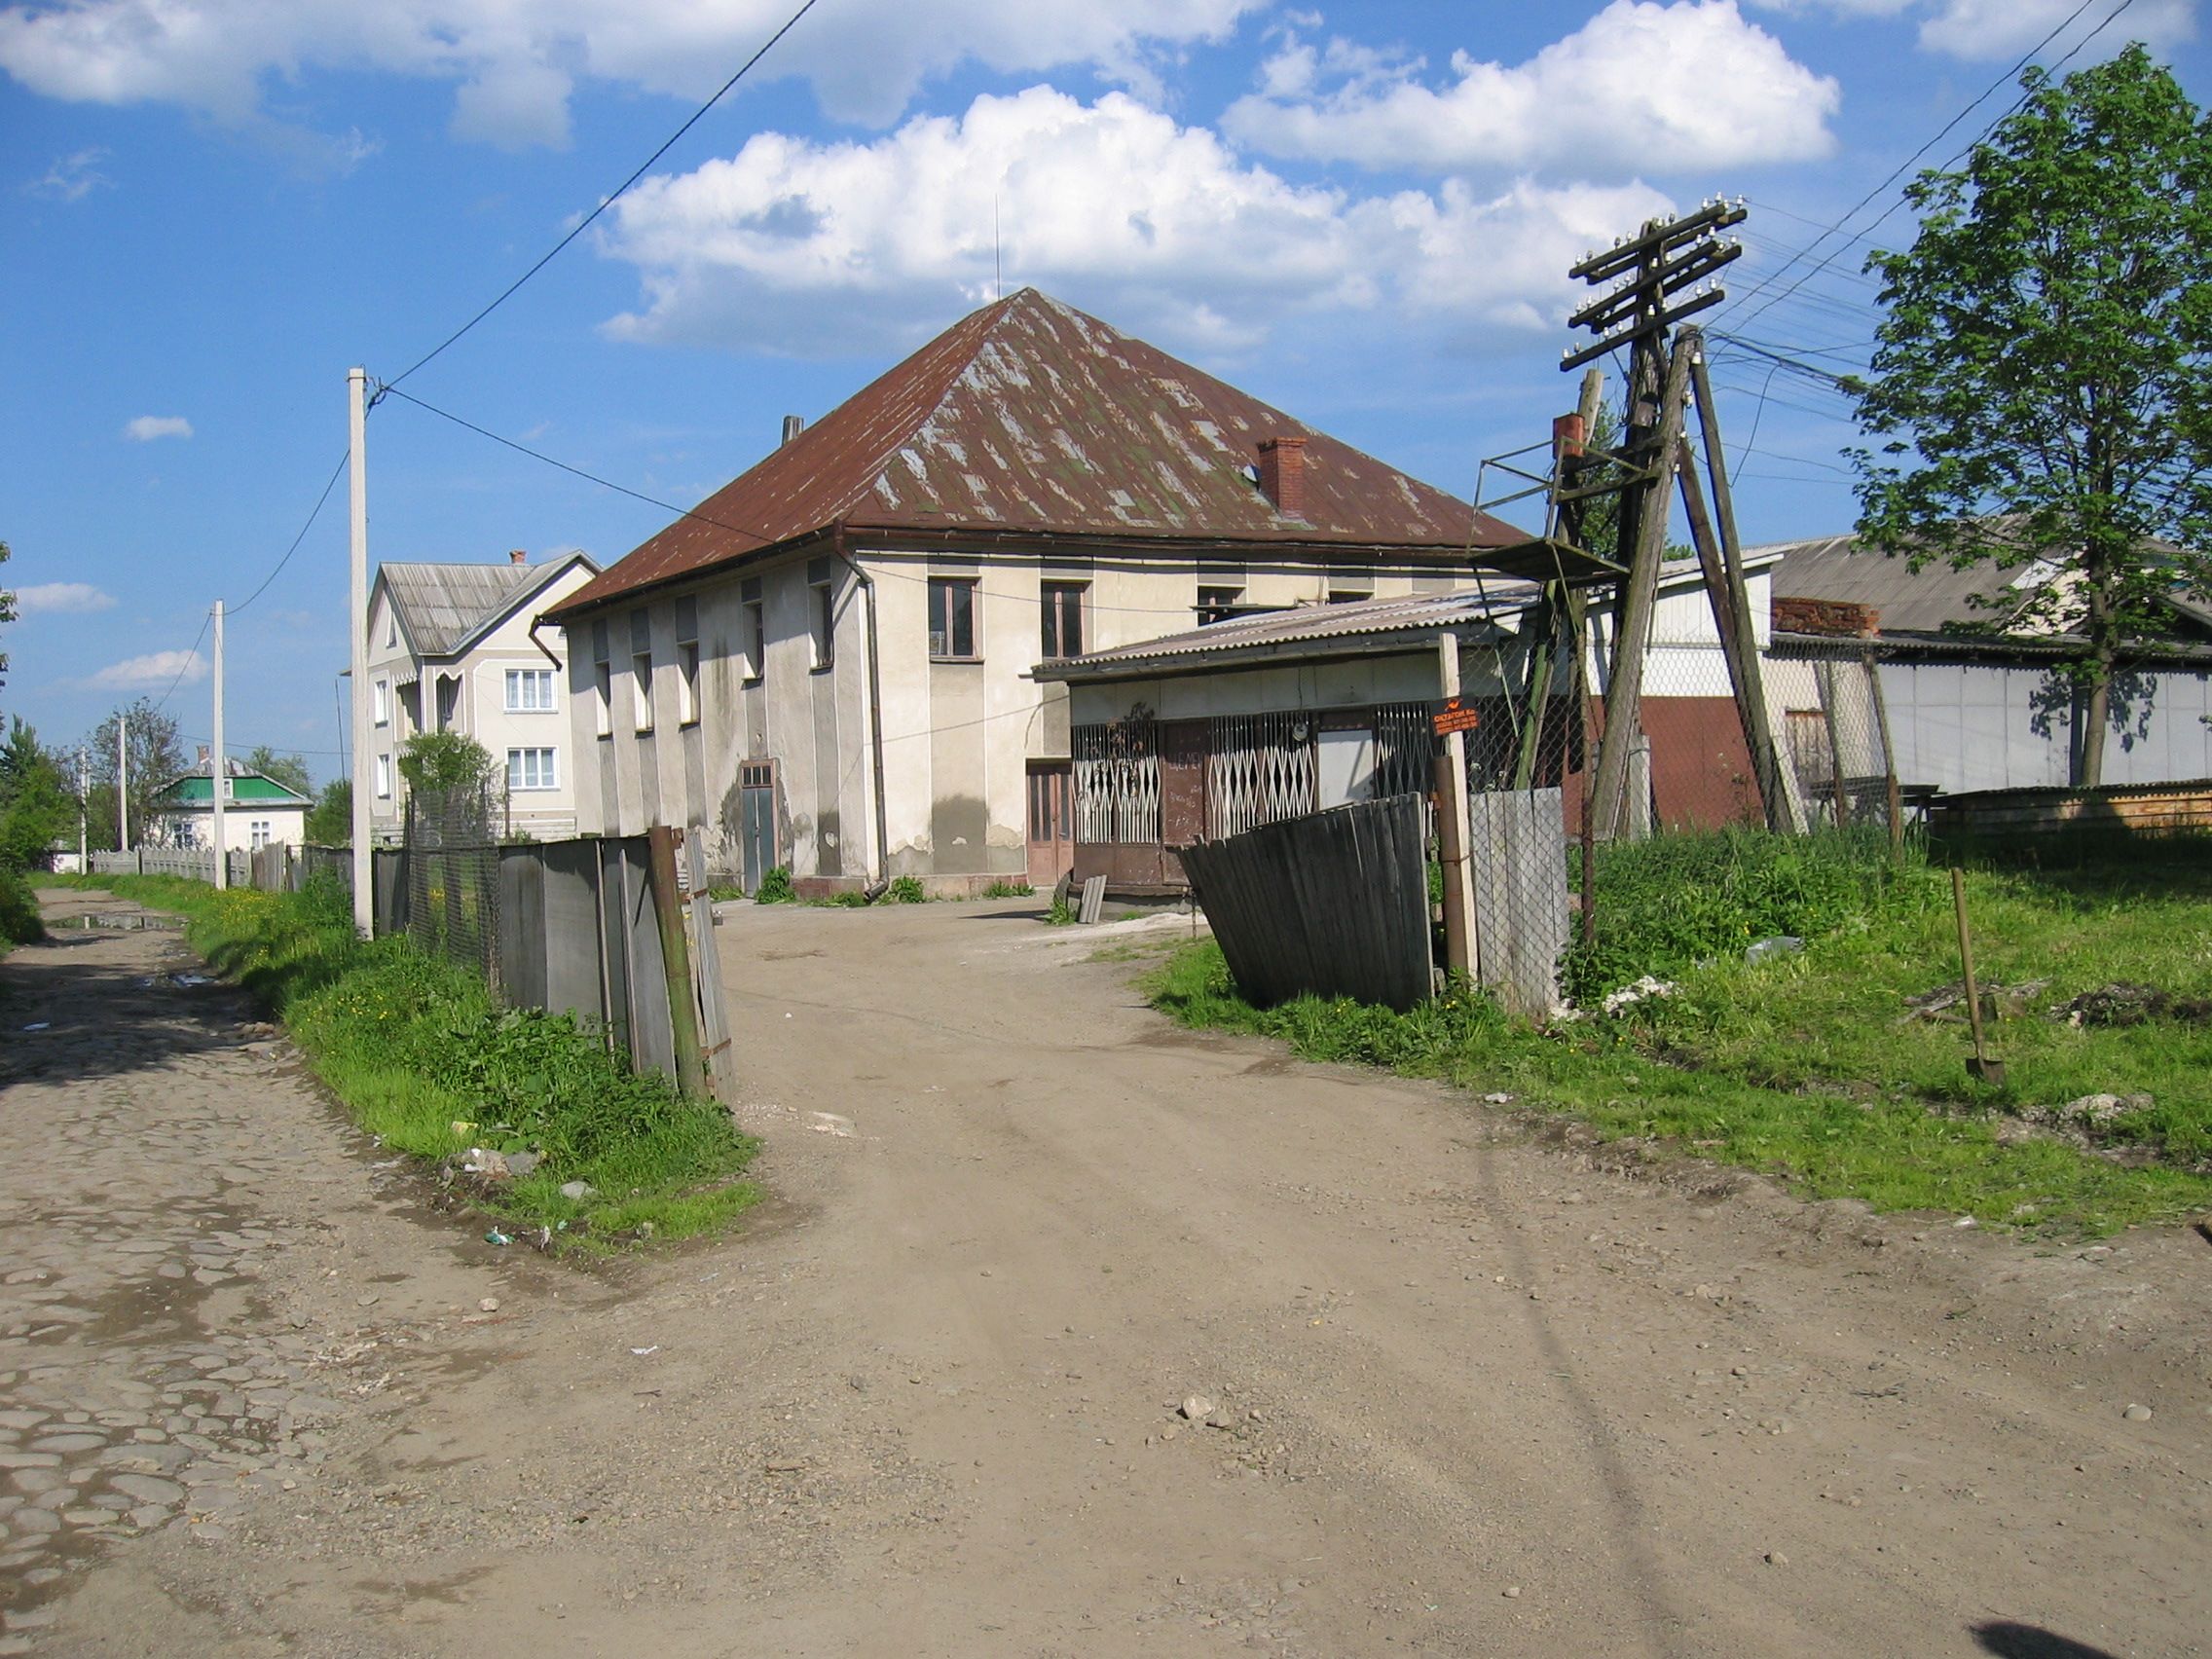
(2001, 29)
(1641, 87)
(72, 178)
(1114, 205)
(158, 667)
(62, 599)
(145, 428)
(516, 61)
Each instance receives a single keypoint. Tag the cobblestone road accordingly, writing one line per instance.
(181, 1331)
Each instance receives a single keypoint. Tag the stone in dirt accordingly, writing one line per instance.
(2103, 1108)
(576, 1191)
(489, 1305)
(521, 1164)
(2137, 1414)
(1197, 1408)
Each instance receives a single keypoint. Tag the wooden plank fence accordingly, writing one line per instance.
(1334, 904)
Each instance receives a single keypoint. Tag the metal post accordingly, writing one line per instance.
(1894, 797)
(1461, 948)
(358, 628)
(218, 770)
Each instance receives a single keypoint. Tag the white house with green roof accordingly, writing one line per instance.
(258, 811)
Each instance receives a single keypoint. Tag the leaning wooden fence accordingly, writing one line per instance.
(1334, 904)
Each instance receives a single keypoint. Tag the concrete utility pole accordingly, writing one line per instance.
(122, 782)
(1463, 948)
(218, 771)
(357, 598)
(83, 811)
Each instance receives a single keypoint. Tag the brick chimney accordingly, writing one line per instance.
(794, 425)
(1282, 474)
(518, 556)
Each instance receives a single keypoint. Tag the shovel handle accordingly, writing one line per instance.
(1966, 961)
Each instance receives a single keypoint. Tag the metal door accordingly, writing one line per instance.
(757, 820)
(1182, 783)
(1051, 821)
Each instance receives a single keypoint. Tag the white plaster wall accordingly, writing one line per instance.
(950, 732)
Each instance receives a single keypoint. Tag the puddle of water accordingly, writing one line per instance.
(121, 921)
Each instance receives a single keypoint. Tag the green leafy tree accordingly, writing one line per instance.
(2041, 382)
(157, 761)
(290, 770)
(7, 611)
(36, 805)
(441, 761)
(329, 822)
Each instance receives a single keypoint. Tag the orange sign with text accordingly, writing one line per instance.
(1452, 715)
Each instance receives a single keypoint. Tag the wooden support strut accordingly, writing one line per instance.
(676, 961)
(1739, 651)
(1765, 756)
(1633, 622)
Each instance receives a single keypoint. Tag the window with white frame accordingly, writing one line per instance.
(383, 702)
(384, 777)
(641, 690)
(529, 690)
(687, 683)
(390, 630)
(259, 833)
(532, 769)
(756, 635)
(822, 619)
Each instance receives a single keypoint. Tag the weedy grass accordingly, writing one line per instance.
(414, 1045)
(1807, 1066)
(1007, 890)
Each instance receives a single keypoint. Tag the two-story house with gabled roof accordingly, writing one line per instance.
(827, 663)
(465, 648)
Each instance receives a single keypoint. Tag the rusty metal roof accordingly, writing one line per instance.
(1029, 417)
(1365, 626)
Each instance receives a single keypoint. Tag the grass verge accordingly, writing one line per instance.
(18, 913)
(414, 1046)
(1808, 1066)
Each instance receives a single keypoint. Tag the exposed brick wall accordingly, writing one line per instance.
(1836, 616)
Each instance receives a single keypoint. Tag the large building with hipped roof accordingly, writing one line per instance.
(827, 664)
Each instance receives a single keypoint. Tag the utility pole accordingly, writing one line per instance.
(357, 628)
(218, 770)
(121, 780)
(84, 812)
(1658, 277)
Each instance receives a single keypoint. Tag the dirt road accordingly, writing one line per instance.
(1477, 1392)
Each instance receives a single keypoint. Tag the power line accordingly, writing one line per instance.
(191, 656)
(1899, 173)
(586, 223)
(314, 514)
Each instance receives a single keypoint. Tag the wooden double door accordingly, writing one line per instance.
(1051, 821)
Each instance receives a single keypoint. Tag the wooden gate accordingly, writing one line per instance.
(1052, 821)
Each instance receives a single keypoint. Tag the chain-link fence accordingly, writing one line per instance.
(452, 861)
(1691, 776)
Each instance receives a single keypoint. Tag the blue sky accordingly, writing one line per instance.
(1361, 212)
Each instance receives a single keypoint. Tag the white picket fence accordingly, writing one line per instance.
(193, 864)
